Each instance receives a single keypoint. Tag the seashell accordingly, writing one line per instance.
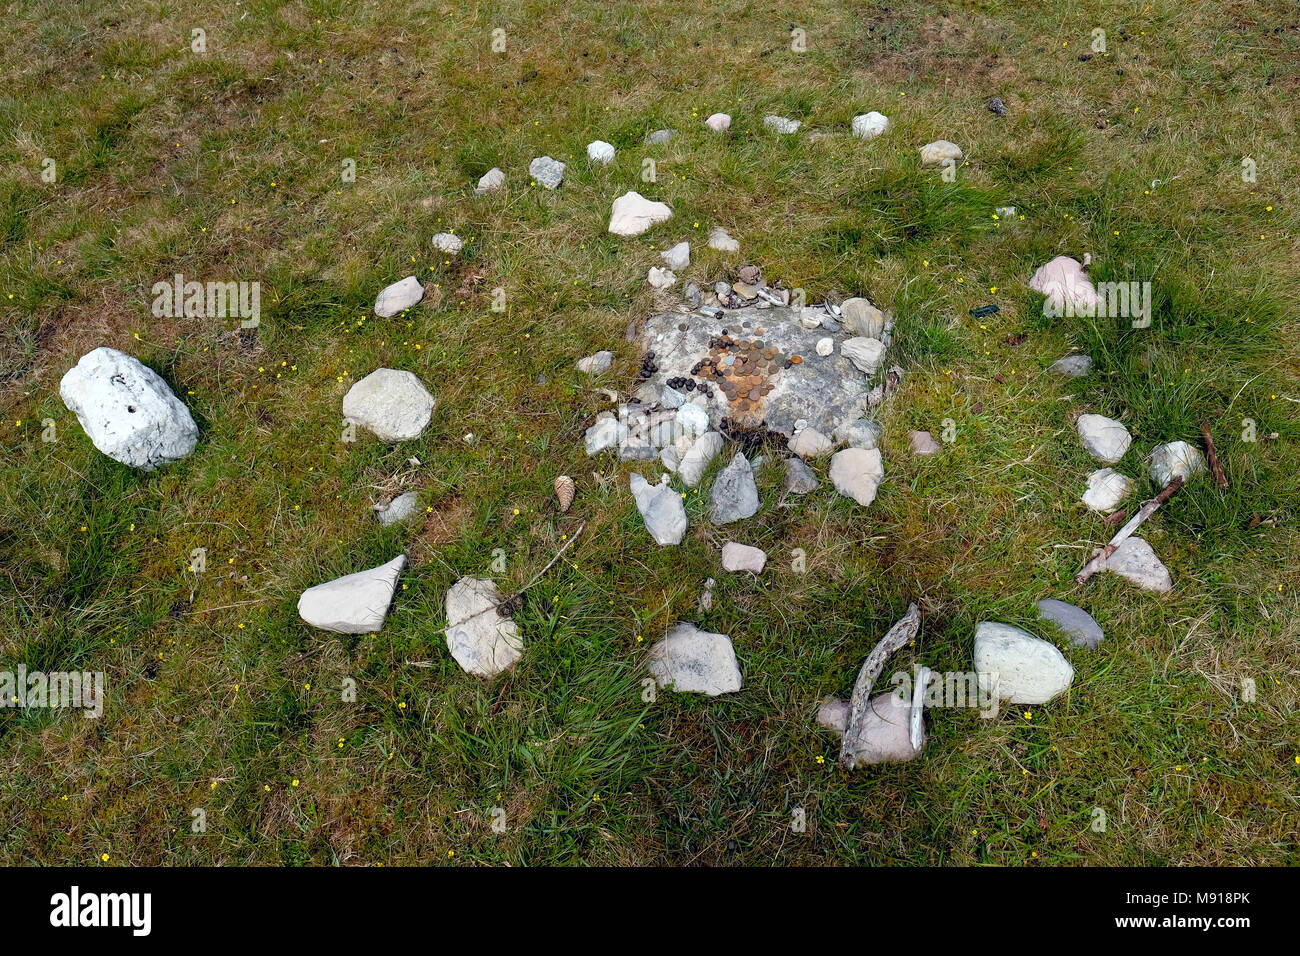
(564, 491)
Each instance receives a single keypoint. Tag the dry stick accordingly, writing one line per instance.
(1212, 453)
(860, 701)
(1146, 511)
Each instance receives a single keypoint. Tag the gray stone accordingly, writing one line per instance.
(483, 641)
(1177, 459)
(547, 172)
(780, 124)
(860, 317)
(864, 353)
(810, 443)
(355, 603)
(696, 460)
(397, 510)
(741, 557)
(659, 137)
(632, 214)
(734, 495)
(595, 363)
(799, 478)
(1072, 366)
(661, 509)
(1104, 438)
(1135, 561)
(1077, 623)
(1019, 667)
(689, 660)
(391, 403)
(492, 179)
(398, 297)
(857, 473)
(859, 433)
(127, 410)
(602, 435)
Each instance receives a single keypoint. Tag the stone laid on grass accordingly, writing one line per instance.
(741, 557)
(734, 495)
(1019, 667)
(1077, 623)
(482, 640)
(391, 403)
(780, 124)
(397, 510)
(447, 242)
(799, 478)
(659, 137)
(547, 172)
(1106, 489)
(810, 443)
(602, 435)
(398, 297)
(661, 278)
(885, 732)
(1072, 366)
(689, 660)
(661, 508)
(718, 122)
(697, 458)
(127, 410)
(600, 152)
(1065, 283)
(857, 473)
(859, 433)
(1104, 438)
(923, 444)
(870, 125)
(940, 151)
(355, 603)
(864, 353)
(721, 241)
(1135, 561)
(859, 317)
(678, 257)
(632, 214)
(494, 178)
(595, 363)
(1177, 459)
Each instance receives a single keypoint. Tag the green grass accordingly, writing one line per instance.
(226, 166)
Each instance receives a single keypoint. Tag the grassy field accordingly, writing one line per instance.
(226, 165)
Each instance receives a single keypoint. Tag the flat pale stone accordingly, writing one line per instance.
(734, 495)
(859, 433)
(661, 508)
(825, 346)
(1106, 489)
(397, 510)
(127, 410)
(1066, 286)
(1077, 623)
(547, 172)
(447, 242)
(866, 354)
(1072, 366)
(678, 257)
(1135, 561)
(632, 214)
(595, 363)
(932, 154)
(696, 460)
(1023, 669)
(857, 473)
(482, 641)
(689, 660)
(718, 122)
(885, 735)
(661, 278)
(833, 714)
(741, 557)
(492, 179)
(1177, 459)
(860, 317)
(659, 137)
(721, 241)
(810, 443)
(355, 603)
(799, 478)
(600, 152)
(923, 444)
(1104, 438)
(391, 403)
(780, 124)
(870, 125)
(602, 435)
(398, 297)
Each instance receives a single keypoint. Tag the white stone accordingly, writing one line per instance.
(886, 732)
(780, 124)
(595, 363)
(692, 420)
(810, 443)
(127, 410)
(661, 278)
(689, 660)
(482, 641)
(870, 125)
(1104, 438)
(718, 122)
(1106, 489)
(492, 179)
(602, 435)
(632, 214)
(719, 240)
(399, 509)
(857, 473)
(547, 172)
(741, 557)
(355, 603)
(825, 346)
(398, 297)
(866, 354)
(661, 509)
(391, 403)
(696, 461)
(932, 154)
(1019, 667)
(678, 257)
(1067, 287)
(600, 152)
(448, 242)
(1177, 459)
(1135, 561)
(860, 317)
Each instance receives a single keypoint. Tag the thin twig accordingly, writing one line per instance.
(1212, 453)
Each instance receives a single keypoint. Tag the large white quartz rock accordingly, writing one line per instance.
(355, 603)
(1177, 459)
(632, 214)
(1103, 438)
(398, 297)
(870, 125)
(1106, 489)
(127, 410)
(694, 661)
(391, 403)
(857, 473)
(483, 642)
(1019, 667)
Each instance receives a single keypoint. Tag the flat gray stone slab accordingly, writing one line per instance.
(695, 661)
(1077, 623)
(355, 603)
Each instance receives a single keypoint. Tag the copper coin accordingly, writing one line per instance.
(796, 359)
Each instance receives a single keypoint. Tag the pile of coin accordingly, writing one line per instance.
(743, 370)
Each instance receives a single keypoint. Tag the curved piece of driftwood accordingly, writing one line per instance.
(860, 703)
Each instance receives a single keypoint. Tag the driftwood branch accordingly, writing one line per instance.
(1146, 511)
(860, 703)
(1212, 453)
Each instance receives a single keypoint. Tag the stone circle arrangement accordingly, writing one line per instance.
(732, 362)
